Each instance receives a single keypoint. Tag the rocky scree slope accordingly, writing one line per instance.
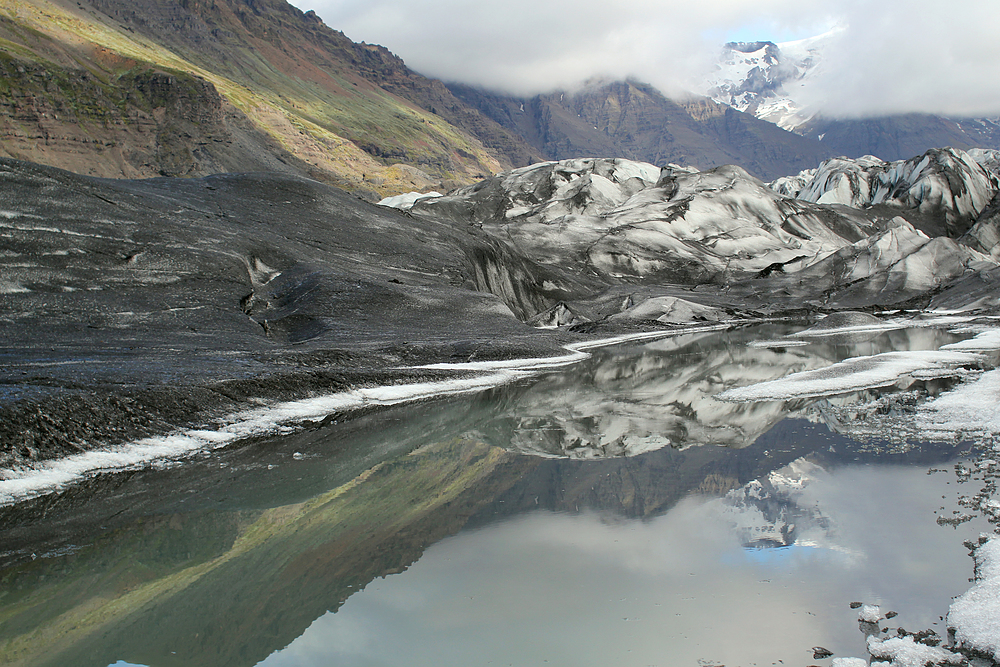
(146, 122)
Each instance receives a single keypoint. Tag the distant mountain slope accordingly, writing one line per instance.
(271, 44)
(635, 121)
(761, 78)
(239, 85)
(901, 136)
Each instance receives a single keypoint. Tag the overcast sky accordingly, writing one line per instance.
(891, 56)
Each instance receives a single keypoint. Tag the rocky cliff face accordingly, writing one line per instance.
(269, 41)
(144, 122)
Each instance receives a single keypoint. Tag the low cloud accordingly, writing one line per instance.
(899, 57)
(891, 57)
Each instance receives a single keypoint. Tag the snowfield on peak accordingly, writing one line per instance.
(766, 79)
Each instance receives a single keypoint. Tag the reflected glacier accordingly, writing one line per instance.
(611, 511)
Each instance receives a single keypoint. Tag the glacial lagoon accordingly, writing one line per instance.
(613, 511)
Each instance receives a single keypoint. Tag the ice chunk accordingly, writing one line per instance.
(904, 652)
(975, 615)
(870, 613)
(405, 201)
(971, 408)
(983, 342)
(671, 310)
(849, 662)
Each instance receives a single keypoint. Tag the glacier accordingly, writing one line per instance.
(594, 238)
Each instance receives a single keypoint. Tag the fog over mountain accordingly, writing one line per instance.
(917, 56)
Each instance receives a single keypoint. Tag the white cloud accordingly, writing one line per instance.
(894, 56)
(897, 57)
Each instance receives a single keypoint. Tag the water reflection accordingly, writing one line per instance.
(423, 535)
(637, 398)
(675, 590)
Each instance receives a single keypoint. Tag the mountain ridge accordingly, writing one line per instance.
(633, 120)
(300, 97)
(286, 78)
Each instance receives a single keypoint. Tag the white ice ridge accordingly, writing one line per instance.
(22, 483)
(405, 201)
(982, 342)
(576, 351)
(851, 375)
(934, 319)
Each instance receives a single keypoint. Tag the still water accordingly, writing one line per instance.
(610, 513)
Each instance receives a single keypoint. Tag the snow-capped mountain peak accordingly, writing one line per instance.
(766, 79)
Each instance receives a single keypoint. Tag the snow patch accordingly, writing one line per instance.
(9, 287)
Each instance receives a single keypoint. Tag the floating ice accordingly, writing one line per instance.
(973, 408)
(849, 662)
(904, 652)
(851, 322)
(850, 375)
(870, 613)
(975, 615)
(982, 342)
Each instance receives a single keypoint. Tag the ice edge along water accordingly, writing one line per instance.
(974, 617)
(880, 370)
(18, 484)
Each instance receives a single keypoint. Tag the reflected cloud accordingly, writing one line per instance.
(582, 590)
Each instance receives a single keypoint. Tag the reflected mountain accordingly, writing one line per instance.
(226, 559)
(768, 512)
